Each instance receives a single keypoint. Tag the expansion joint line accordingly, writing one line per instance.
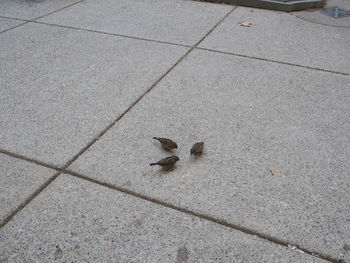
(124, 190)
(33, 20)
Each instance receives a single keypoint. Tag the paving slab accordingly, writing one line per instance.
(183, 22)
(75, 220)
(282, 37)
(62, 87)
(276, 147)
(8, 23)
(30, 9)
(18, 180)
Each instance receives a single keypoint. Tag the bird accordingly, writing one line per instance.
(197, 148)
(167, 162)
(167, 144)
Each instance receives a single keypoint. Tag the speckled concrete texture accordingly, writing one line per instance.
(95, 81)
(282, 37)
(8, 23)
(61, 87)
(30, 9)
(276, 147)
(183, 22)
(18, 180)
(77, 221)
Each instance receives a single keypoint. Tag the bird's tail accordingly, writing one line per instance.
(151, 164)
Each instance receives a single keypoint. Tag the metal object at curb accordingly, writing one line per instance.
(336, 12)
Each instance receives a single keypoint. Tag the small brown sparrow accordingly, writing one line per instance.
(167, 162)
(197, 148)
(167, 144)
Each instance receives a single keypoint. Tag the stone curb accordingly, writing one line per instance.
(280, 5)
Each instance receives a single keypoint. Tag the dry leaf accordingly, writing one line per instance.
(246, 24)
(272, 172)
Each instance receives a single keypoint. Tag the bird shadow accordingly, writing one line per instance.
(195, 158)
(159, 146)
(167, 170)
(163, 171)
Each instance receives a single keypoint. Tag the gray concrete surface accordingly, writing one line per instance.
(254, 117)
(283, 37)
(277, 141)
(8, 23)
(18, 180)
(72, 84)
(183, 22)
(30, 9)
(75, 220)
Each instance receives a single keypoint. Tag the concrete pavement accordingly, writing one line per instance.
(85, 85)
